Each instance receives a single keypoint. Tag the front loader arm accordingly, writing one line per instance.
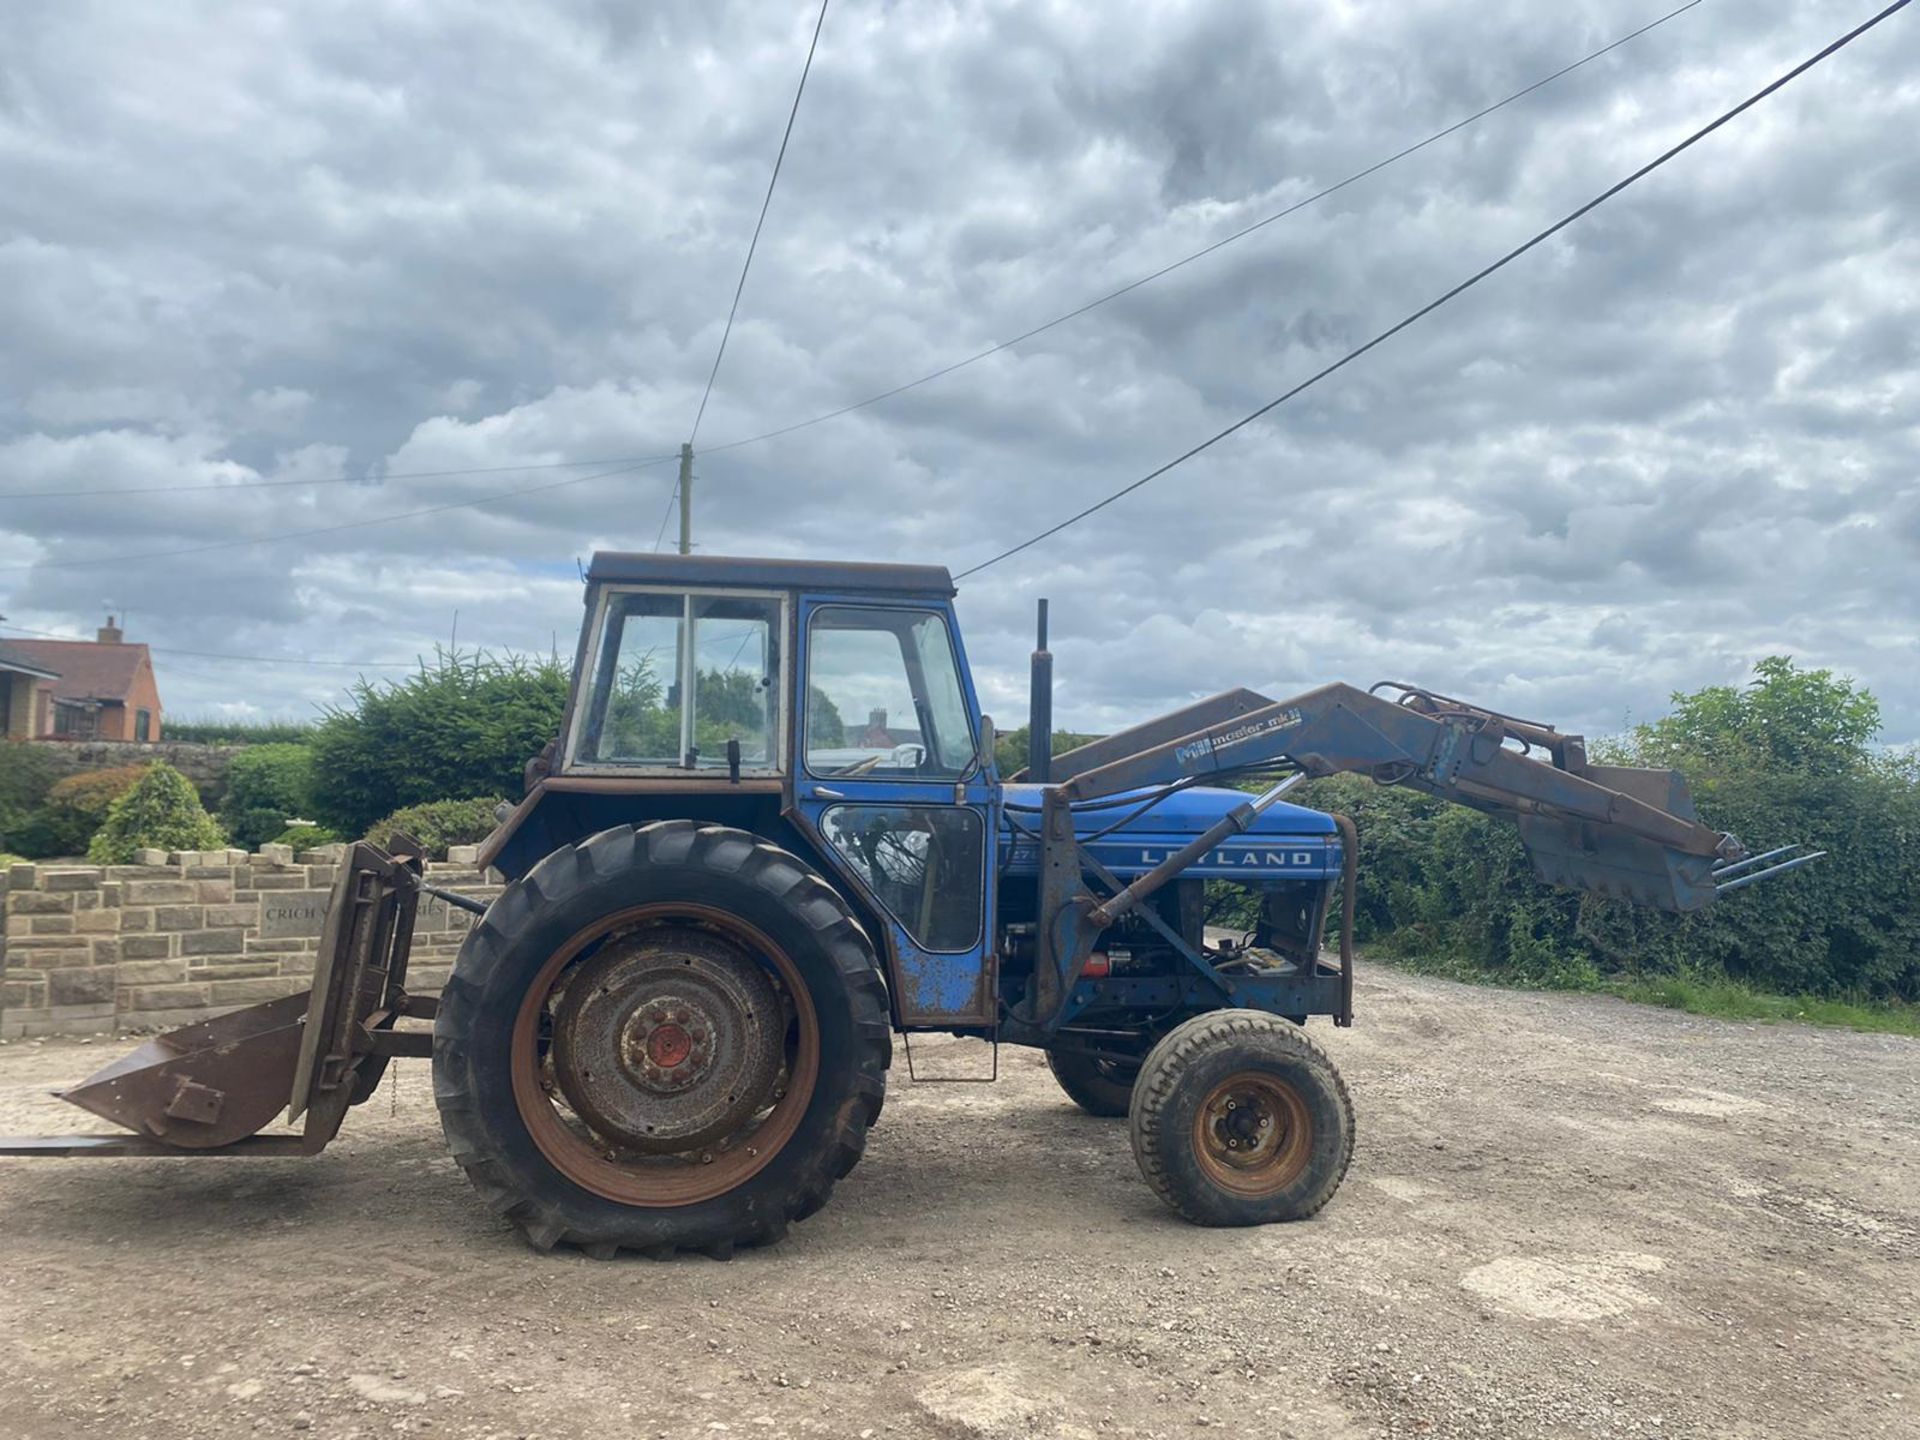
(1611, 829)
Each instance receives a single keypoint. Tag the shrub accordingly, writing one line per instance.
(303, 836)
(439, 823)
(267, 786)
(240, 732)
(464, 725)
(161, 812)
(26, 775)
(76, 808)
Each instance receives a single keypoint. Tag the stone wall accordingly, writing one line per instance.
(182, 937)
(205, 765)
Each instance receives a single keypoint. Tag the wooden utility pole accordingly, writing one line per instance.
(686, 498)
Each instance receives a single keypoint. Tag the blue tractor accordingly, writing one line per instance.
(771, 834)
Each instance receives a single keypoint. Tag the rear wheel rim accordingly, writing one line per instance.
(615, 1165)
(1253, 1133)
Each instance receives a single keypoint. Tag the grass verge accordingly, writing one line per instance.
(1730, 1000)
(1697, 994)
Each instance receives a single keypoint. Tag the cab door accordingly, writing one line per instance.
(888, 779)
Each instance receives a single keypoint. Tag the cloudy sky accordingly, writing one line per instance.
(299, 243)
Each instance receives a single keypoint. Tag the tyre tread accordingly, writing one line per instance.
(568, 871)
(1153, 1092)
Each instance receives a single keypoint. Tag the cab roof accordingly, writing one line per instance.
(623, 567)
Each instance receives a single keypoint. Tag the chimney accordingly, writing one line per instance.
(109, 633)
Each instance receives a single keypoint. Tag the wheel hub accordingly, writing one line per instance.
(662, 1046)
(1253, 1132)
(668, 1041)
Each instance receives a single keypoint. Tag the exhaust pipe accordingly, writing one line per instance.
(1040, 708)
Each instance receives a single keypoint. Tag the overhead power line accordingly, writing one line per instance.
(371, 521)
(944, 370)
(1205, 250)
(754, 243)
(1460, 289)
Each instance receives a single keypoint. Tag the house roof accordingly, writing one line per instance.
(87, 669)
(12, 659)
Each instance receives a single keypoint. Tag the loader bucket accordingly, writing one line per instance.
(1606, 860)
(212, 1086)
(206, 1084)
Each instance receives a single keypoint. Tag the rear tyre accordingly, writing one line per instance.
(667, 1037)
(1240, 1119)
(1099, 1087)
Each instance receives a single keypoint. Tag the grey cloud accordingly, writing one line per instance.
(289, 241)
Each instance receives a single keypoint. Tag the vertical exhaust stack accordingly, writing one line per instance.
(1040, 708)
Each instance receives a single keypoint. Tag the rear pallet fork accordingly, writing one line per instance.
(209, 1088)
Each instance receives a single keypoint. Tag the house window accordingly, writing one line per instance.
(75, 722)
(143, 725)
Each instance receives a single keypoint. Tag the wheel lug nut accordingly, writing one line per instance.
(1231, 1105)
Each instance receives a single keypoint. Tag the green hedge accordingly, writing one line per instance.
(239, 732)
(1788, 758)
(464, 725)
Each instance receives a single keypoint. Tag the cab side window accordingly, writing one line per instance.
(884, 696)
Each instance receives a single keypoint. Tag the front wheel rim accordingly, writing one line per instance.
(1253, 1134)
(599, 1163)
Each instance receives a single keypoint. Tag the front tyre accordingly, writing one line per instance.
(1098, 1086)
(1240, 1119)
(668, 1037)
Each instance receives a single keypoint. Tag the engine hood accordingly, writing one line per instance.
(1185, 812)
(1288, 842)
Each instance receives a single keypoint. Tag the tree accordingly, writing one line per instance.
(826, 729)
(461, 727)
(1784, 719)
(1010, 747)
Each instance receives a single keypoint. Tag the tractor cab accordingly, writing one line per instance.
(827, 705)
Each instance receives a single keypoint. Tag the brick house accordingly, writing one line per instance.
(101, 689)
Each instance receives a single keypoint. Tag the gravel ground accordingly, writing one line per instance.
(1566, 1216)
